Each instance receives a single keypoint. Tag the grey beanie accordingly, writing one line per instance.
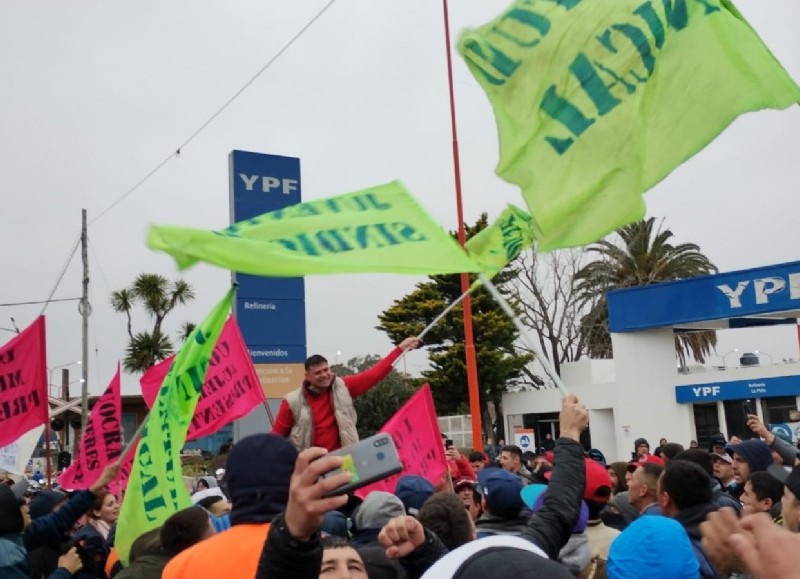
(378, 509)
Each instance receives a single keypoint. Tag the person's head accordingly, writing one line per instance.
(477, 460)
(723, 467)
(472, 503)
(790, 501)
(653, 547)
(464, 487)
(662, 442)
(717, 443)
(761, 492)
(413, 491)
(258, 472)
(318, 373)
(201, 484)
(548, 436)
(683, 484)
(14, 515)
(378, 508)
(216, 505)
(511, 458)
(340, 560)
(105, 508)
(700, 457)
(692, 444)
(641, 446)
(185, 528)
(46, 502)
(445, 515)
(750, 456)
(500, 490)
(618, 472)
(670, 450)
(643, 486)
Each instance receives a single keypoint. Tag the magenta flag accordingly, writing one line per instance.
(101, 442)
(231, 389)
(23, 383)
(415, 431)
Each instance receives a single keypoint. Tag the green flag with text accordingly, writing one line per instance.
(381, 229)
(597, 101)
(155, 488)
(500, 243)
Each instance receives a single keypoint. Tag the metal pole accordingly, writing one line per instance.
(85, 324)
(65, 398)
(469, 343)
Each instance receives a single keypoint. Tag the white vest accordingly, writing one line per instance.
(343, 409)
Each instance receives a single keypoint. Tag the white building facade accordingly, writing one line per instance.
(643, 393)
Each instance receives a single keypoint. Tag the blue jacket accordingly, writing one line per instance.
(51, 529)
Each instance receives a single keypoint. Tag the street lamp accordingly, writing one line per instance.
(760, 353)
(724, 357)
(54, 368)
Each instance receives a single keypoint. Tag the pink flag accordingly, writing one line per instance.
(101, 442)
(23, 383)
(231, 389)
(415, 431)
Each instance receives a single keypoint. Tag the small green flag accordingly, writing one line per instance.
(381, 229)
(499, 244)
(155, 488)
(597, 101)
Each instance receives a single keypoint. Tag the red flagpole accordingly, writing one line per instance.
(469, 344)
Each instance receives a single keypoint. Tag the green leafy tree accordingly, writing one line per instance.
(158, 297)
(379, 404)
(499, 363)
(642, 255)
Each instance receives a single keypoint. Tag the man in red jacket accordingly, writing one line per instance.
(321, 412)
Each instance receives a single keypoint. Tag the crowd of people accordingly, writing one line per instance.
(729, 510)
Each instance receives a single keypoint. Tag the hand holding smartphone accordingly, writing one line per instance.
(370, 460)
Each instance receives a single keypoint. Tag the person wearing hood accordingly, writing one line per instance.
(258, 472)
(684, 494)
(655, 547)
(641, 450)
(15, 519)
(44, 559)
(749, 456)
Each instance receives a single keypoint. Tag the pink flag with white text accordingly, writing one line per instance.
(23, 383)
(101, 442)
(231, 389)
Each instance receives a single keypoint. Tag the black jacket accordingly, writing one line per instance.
(551, 527)
(284, 556)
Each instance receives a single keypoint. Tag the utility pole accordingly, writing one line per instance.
(85, 311)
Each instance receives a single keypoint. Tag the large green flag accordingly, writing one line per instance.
(596, 101)
(381, 229)
(501, 242)
(155, 488)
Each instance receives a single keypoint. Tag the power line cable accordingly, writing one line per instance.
(219, 111)
(45, 302)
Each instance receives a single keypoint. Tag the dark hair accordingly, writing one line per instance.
(699, 457)
(335, 542)
(687, 484)
(671, 450)
(202, 481)
(445, 515)
(476, 455)
(513, 449)
(184, 529)
(766, 486)
(620, 469)
(315, 360)
(98, 503)
(651, 472)
(208, 501)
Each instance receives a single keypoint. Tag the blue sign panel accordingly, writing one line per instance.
(736, 294)
(270, 311)
(739, 389)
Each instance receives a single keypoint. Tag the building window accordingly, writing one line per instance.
(706, 422)
(778, 409)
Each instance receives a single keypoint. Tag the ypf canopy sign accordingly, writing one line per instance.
(270, 311)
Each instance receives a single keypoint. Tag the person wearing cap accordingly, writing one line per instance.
(643, 488)
(790, 501)
(320, 412)
(504, 512)
(749, 456)
(717, 443)
(783, 451)
(596, 494)
(413, 491)
(722, 464)
(258, 471)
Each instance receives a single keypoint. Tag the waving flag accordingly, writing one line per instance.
(101, 441)
(499, 244)
(155, 488)
(381, 229)
(23, 383)
(231, 388)
(596, 102)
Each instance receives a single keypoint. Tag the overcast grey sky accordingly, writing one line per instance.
(97, 93)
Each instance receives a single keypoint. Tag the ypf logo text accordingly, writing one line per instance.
(268, 184)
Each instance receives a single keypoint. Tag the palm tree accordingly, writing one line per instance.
(645, 256)
(158, 296)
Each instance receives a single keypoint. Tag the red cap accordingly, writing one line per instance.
(596, 477)
(550, 456)
(648, 459)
